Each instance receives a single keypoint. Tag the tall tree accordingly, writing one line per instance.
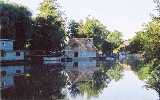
(48, 30)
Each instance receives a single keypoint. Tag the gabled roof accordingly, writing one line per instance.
(82, 44)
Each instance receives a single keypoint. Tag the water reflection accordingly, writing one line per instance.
(40, 82)
(78, 80)
(129, 87)
(8, 73)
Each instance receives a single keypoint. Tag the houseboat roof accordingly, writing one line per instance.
(7, 40)
(82, 44)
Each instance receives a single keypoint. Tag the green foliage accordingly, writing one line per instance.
(93, 28)
(95, 85)
(115, 73)
(115, 38)
(74, 29)
(154, 79)
(49, 8)
(147, 40)
(135, 45)
(47, 33)
(151, 73)
(107, 47)
(48, 28)
(90, 28)
(144, 72)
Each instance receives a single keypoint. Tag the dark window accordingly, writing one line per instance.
(75, 64)
(18, 71)
(3, 73)
(18, 53)
(3, 44)
(3, 84)
(75, 54)
(2, 53)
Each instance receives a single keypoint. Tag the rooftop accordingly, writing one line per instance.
(6, 40)
(82, 44)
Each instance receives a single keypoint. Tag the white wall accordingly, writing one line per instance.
(12, 56)
(87, 54)
(81, 53)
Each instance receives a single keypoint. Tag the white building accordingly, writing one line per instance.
(7, 52)
(80, 48)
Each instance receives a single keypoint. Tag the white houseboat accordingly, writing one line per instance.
(80, 48)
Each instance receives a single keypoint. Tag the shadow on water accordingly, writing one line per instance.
(62, 81)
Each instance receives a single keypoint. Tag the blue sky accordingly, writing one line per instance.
(127, 16)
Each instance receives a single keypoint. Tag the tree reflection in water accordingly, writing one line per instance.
(94, 85)
(46, 82)
(148, 71)
(41, 83)
(154, 80)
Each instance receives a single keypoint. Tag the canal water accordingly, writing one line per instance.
(80, 80)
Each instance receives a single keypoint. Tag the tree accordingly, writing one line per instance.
(157, 2)
(48, 29)
(115, 38)
(147, 40)
(74, 29)
(15, 22)
(154, 80)
(93, 28)
(107, 47)
(136, 45)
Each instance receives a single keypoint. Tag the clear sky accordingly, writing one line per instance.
(127, 16)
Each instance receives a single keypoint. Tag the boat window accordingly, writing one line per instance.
(3, 73)
(18, 53)
(75, 54)
(3, 44)
(2, 53)
(75, 64)
(18, 71)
